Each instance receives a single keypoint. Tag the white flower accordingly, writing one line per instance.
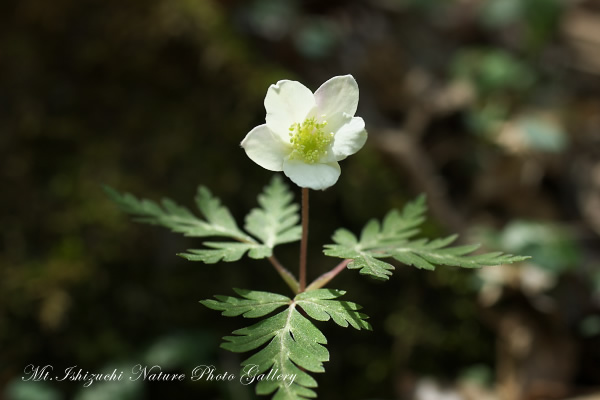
(306, 134)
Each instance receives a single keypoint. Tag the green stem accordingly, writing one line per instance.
(304, 241)
(287, 276)
(327, 276)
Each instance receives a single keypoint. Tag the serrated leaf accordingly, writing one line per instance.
(178, 218)
(370, 233)
(226, 251)
(219, 217)
(369, 265)
(276, 221)
(422, 254)
(403, 224)
(293, 345)
(391, 239)
(319, 304)
(344, 237)
(253, 304)
(342, 251)
(414, 260)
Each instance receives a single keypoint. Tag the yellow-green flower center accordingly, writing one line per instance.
(309, 141)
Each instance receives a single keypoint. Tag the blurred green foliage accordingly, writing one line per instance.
(539, 19)
(493, 71)
(552, 247)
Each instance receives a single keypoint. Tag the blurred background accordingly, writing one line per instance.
(490, 107)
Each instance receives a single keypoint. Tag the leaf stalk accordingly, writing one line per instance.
(286, 275)
(328, 276)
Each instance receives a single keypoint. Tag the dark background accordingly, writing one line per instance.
(492, 108)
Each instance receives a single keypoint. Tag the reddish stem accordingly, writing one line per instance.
(327, 276)
(304, 241)
(287, 276)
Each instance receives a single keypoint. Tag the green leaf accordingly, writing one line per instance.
(254, 304)
(423, 254)
(293, 345)
(369, 265)
(395, 226)
(168, 214)
(219, 217)
(276, 221)
(226, 251)
(392, 239)
(318, 304)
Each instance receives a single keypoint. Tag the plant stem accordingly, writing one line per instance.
(287, 276)
(327, 276)
(304, 241)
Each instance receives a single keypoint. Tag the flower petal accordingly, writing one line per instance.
(349, 139)
(265, 148)
(287, 102)
(337, 99)
(314, 176)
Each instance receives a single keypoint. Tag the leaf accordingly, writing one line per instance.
(276, 221)
(396, 226)
(369, 265)
(391, 238)
(403, 225)
(424, 254)
(254, 304)
(293, 345)
(318, 304)
(168, 214)
(226, 251)
(219, 217)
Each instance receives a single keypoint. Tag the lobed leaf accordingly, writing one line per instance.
(391, 238)
(293, 345)
(276, 221)
(221, 221)
(318, 304)
(253, 304)
(369, 265)
(226, 251)
(423, 254)
(168, 214)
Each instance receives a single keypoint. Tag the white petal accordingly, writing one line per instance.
(349, 139)
(265, 148)
(286, 103)
(314, 176)
(337, 99)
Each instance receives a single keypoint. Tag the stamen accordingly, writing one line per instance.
(309, 142)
